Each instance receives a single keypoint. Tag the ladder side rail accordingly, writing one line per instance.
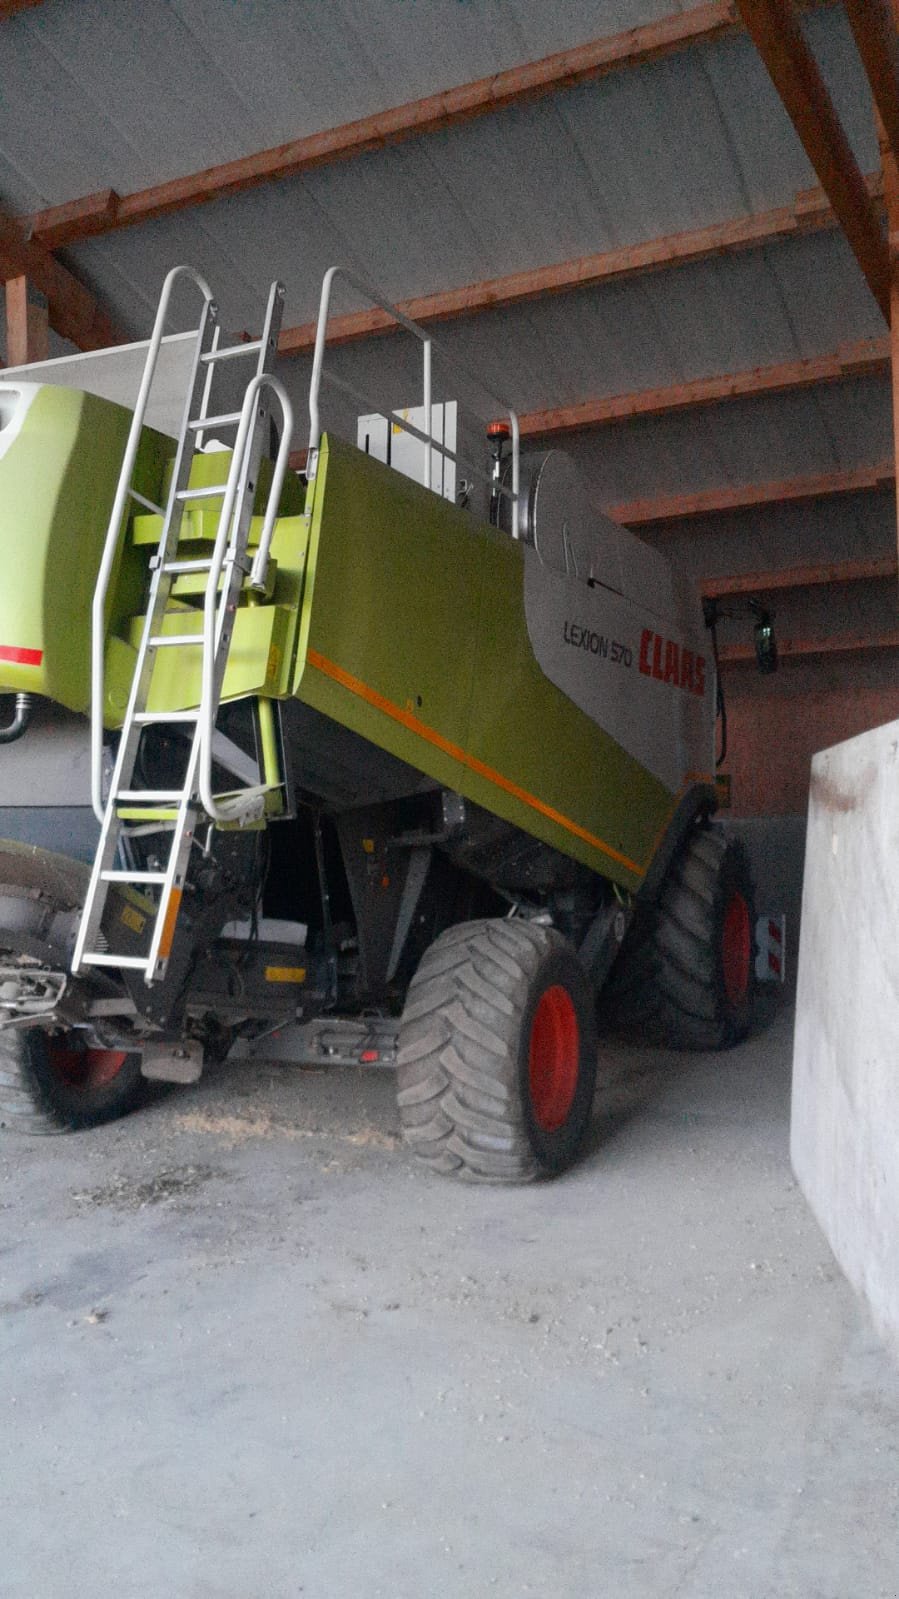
(426, 339)
(230, 546)
(114, 529)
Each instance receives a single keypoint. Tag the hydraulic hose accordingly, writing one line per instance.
(19, 723)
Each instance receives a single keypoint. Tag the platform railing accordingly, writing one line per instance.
(320, 374)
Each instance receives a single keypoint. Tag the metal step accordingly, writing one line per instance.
(210, 357)
(133, 877)
(161, 718)
(201, 424)
(202, 494)
(187, 566)
(148, 796)
(133, 963)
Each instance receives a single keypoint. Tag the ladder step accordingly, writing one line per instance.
(149, 505)
(156, 718)
(232, 350)
(227, 419)
(201, 494)
(187, 566)
(149, 796)
(133, 962)
(133, 877)
(165, 641)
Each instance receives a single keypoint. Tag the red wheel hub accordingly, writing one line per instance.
(736, 948)
(553, 1059)
(84, 1068)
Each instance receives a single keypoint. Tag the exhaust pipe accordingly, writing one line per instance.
(20, 721)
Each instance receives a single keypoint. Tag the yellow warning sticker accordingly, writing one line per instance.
(133, 919)
(285, 974)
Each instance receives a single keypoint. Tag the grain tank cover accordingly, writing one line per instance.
(60, 452)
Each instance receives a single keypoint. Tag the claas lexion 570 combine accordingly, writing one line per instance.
(420, 712)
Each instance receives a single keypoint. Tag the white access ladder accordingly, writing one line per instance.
(130, 810)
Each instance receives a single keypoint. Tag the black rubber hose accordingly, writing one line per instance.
(20, 721)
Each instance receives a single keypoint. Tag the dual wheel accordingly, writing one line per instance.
(498, 1045)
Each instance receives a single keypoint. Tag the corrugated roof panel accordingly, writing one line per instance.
(841, 425)
(840, 528)
(155, 91)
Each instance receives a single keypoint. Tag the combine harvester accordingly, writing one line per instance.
(421, 713)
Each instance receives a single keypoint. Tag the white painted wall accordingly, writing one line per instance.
(845, 1119)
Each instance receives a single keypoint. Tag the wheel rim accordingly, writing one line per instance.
(736, 949)
(553, 1059)
(84, 1069)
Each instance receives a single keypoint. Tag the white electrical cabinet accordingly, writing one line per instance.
(387, 440)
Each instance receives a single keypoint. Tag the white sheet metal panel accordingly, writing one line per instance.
(115, 374)
(621, 663)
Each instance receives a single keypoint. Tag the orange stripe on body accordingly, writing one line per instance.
(407, 720)
(168, 929)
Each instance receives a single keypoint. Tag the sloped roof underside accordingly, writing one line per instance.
(130, 94)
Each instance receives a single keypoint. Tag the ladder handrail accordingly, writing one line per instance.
(223, 541)
(114, 530)
(376, 298)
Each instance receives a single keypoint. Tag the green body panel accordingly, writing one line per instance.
(389, 609)
(414, 635)
(58, 476)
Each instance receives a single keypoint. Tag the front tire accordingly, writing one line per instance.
(685, 976)
(55, 1082)
(497, 1056)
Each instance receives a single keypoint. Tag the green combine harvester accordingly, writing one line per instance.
(413, 744)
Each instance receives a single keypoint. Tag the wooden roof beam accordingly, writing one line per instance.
(874, 24)
(73, 310)
(867, 358)
(809, 213)
(831, 644)
(702, 24)
(799, 577)
(776, 31)
(665, 509)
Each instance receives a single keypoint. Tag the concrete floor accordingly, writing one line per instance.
(249, 1351)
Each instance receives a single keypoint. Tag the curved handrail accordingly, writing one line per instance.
(318, 361)
(213, 613)
(114, 530)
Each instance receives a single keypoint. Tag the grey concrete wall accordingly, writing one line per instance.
(845, 1116)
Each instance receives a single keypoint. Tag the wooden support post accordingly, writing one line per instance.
(891, 200)
(27, 323)
(776, 30)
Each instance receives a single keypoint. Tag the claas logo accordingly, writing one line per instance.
(671, 663)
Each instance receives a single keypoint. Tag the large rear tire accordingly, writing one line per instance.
(55, 1083)
(685, 976)
(497, 1056)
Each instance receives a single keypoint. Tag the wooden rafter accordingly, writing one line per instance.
(73, 310)
(867, 358)
(830, 644)
(664, 509)
(874, 24)
(775, 28)
(799, 577)
(101, 213)
(809, 213)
